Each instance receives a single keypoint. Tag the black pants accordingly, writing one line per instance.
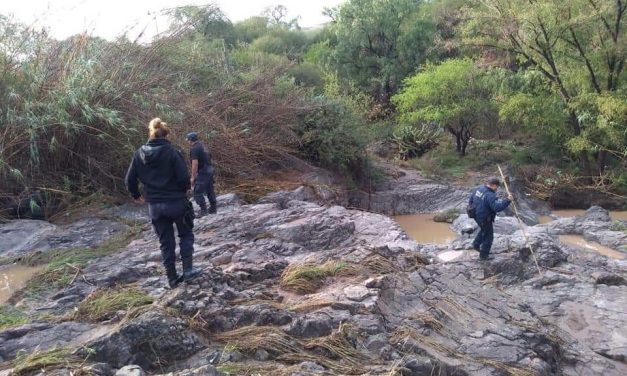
(164, 216)
(484, 238)
(202, 187)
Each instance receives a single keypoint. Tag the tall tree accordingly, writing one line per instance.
(577, 45)
(454, 95)
(379, 42)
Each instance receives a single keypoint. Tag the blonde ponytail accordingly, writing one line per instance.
(158, 128)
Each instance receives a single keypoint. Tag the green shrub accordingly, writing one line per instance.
(332, 136)
(307, 74)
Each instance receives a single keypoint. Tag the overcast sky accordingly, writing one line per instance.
(110, 18)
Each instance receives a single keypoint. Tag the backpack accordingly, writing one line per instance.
(471, 210)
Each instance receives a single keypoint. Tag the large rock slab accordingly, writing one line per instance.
(20, 237)
(23, 235)
(41, 336)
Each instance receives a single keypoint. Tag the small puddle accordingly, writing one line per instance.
(568, 213)
(422, 228)
(13, 278)
(579, 242)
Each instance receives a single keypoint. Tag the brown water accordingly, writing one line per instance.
(13, 278)
(579, 242)
(422, 229)
(567, 213)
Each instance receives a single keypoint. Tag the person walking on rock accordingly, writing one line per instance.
(486, 205)
(202, 175)
(163, 172)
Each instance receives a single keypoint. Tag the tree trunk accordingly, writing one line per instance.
(602, 160)
(586, 167)
(458, 142)
(464, 146)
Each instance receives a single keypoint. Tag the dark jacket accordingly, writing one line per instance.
(161, 169)
(486, 204)
(200, 153)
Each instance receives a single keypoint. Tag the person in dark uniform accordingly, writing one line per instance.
(163, 172)
(484, 199)
(202, 175)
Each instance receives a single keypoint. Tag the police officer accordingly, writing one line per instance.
(487, 205)
(202, 175)
(162, 170)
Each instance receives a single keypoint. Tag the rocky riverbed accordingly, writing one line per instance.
(291, 287)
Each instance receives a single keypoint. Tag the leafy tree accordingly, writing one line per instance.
(453, 94)
(578, 46)
(251, 28)
(209, 21)
(277, 15)
(379, 42)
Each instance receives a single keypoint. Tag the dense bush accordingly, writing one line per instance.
(73, 112)
(333, 136)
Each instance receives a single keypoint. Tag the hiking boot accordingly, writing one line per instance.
(213, 210)
(189, 272)
(476, 248)
(203, 212)
(173, 278)
(486, 258)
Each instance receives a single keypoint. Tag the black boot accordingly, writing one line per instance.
(203, 212)
(189, 272)
(173, 278)
(213, 209)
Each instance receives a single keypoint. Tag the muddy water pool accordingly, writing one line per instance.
(620, 215)
(14, 277)
(579, 242)
(422, 228)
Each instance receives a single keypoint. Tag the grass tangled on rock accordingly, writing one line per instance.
(335, 351)
(103, 304)
(10, 316)
(307, 278)
(252, 338)
(37, 361)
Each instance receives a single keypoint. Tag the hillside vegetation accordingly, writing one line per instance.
(543, 83)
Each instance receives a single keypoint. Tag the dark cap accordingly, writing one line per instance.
(493, 180)
(192, 136)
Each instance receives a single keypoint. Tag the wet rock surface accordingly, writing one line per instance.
(25, 235)
(384, 305)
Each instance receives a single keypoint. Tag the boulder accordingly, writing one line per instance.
(502, 225)
(130, 370)
(151, 340)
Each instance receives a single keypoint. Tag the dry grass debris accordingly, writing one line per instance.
(307, 278)
(104, 304)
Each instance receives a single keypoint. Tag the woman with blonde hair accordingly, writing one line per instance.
(163, 172)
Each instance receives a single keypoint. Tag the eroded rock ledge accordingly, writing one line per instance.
(292, 287)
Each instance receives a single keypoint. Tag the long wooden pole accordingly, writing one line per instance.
(520, 222)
